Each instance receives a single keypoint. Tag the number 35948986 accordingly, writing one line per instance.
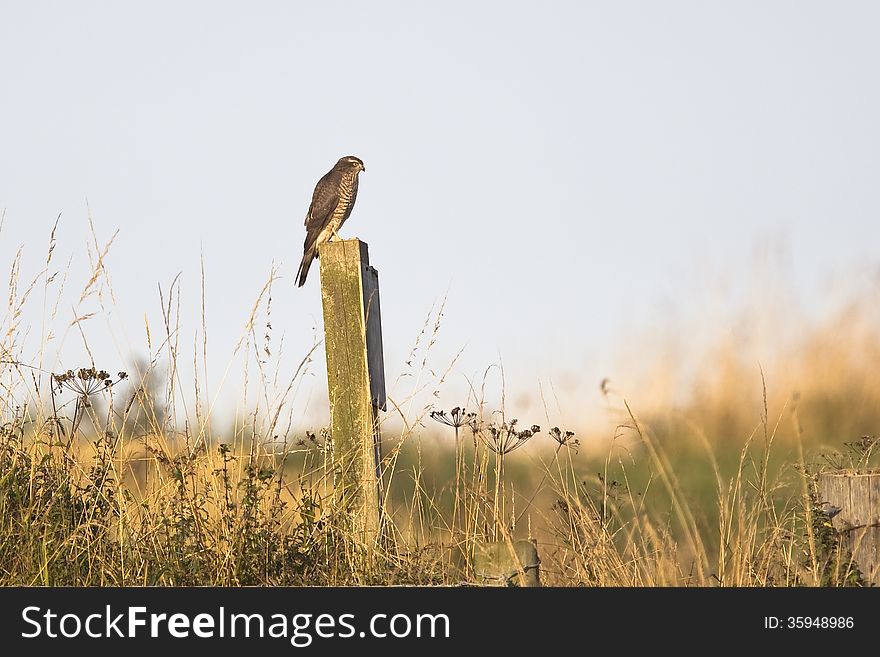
(809, 622)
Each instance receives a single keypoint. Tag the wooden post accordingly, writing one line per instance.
(500, 563)
(355, 378)
(857, 495)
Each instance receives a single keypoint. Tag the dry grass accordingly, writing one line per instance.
(111, 480)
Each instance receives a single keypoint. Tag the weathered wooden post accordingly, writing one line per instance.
(355, 378)
(506, 563)
(857, 495)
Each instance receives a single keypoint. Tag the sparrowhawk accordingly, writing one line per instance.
(332, 202)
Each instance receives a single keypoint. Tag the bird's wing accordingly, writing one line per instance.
(324, 201)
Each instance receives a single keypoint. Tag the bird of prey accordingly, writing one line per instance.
(332, 202)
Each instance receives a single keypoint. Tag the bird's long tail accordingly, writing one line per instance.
(308, 256)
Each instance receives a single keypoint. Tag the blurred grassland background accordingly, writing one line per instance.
(702, 472)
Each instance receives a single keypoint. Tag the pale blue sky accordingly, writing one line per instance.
(572, 173)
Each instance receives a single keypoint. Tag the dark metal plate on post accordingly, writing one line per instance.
(375, 355)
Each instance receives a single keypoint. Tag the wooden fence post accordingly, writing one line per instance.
(503, 563)
(355, 378)
(857, 495)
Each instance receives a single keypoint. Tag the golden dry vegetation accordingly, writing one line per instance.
(112, 478)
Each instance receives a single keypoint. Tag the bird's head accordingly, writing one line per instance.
(350, 161)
